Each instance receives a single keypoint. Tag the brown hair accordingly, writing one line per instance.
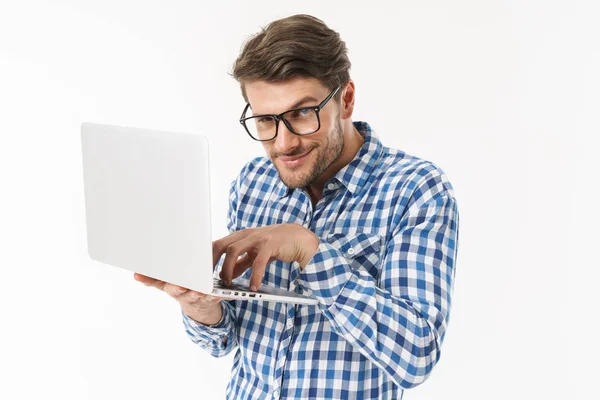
(300, 45)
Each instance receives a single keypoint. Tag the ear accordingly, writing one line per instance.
(347, 100)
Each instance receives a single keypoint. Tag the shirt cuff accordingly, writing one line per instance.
(214, 334)
(326, 274)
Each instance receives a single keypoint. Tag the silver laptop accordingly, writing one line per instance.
(147, 201)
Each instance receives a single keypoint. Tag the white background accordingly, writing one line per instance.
(502, 95)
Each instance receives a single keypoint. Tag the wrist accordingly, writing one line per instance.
(312, 246)
(208, 317)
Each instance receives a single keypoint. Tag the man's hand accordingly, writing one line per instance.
(200, 307)
(260, 246)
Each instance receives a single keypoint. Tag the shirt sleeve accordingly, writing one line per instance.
(221, 338)
(218, 339)
(399, 320)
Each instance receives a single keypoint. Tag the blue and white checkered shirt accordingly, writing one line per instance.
(383, 275)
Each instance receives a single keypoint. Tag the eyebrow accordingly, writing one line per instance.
(303, 100)
(297, 104)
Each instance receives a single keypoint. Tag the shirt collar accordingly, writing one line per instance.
(355, 174)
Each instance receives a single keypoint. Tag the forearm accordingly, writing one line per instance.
(210, 316)
(384, 328)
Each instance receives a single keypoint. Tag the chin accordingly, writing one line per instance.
(294, 178)
(293, 182)
(299, 176)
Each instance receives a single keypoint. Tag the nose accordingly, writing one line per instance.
(286, 141)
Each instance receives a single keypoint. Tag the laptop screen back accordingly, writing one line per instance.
(147, 198)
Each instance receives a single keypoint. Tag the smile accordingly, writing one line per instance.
(295, 160)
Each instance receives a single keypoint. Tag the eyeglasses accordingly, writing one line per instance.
(300, 121)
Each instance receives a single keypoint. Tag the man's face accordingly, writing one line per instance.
(300, 160)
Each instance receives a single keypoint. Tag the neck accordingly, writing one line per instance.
(353, 141)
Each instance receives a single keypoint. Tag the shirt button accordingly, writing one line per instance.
(331, 186)
(351, 251)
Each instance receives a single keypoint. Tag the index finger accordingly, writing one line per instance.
(156, 283)
(220, 246)
(146, 280)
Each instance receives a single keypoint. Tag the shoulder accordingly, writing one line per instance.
(413, 176)
(258, 173)
(257, 168)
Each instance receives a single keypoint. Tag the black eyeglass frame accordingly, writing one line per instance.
(280, 117)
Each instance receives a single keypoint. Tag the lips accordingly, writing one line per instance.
(292, 161)
(292, 158)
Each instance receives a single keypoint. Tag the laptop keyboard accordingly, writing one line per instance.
(219, 284)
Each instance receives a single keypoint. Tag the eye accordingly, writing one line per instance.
(267, 119)
(301, 113)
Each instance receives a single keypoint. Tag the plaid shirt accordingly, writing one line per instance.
(383, 275)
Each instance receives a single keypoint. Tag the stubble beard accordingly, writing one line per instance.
(327, 153)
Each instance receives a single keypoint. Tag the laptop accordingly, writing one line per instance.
(147, 202)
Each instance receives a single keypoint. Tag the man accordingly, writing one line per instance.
(369, 231)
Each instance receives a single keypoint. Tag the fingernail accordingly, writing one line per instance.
(181, 290)
(253, 288)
